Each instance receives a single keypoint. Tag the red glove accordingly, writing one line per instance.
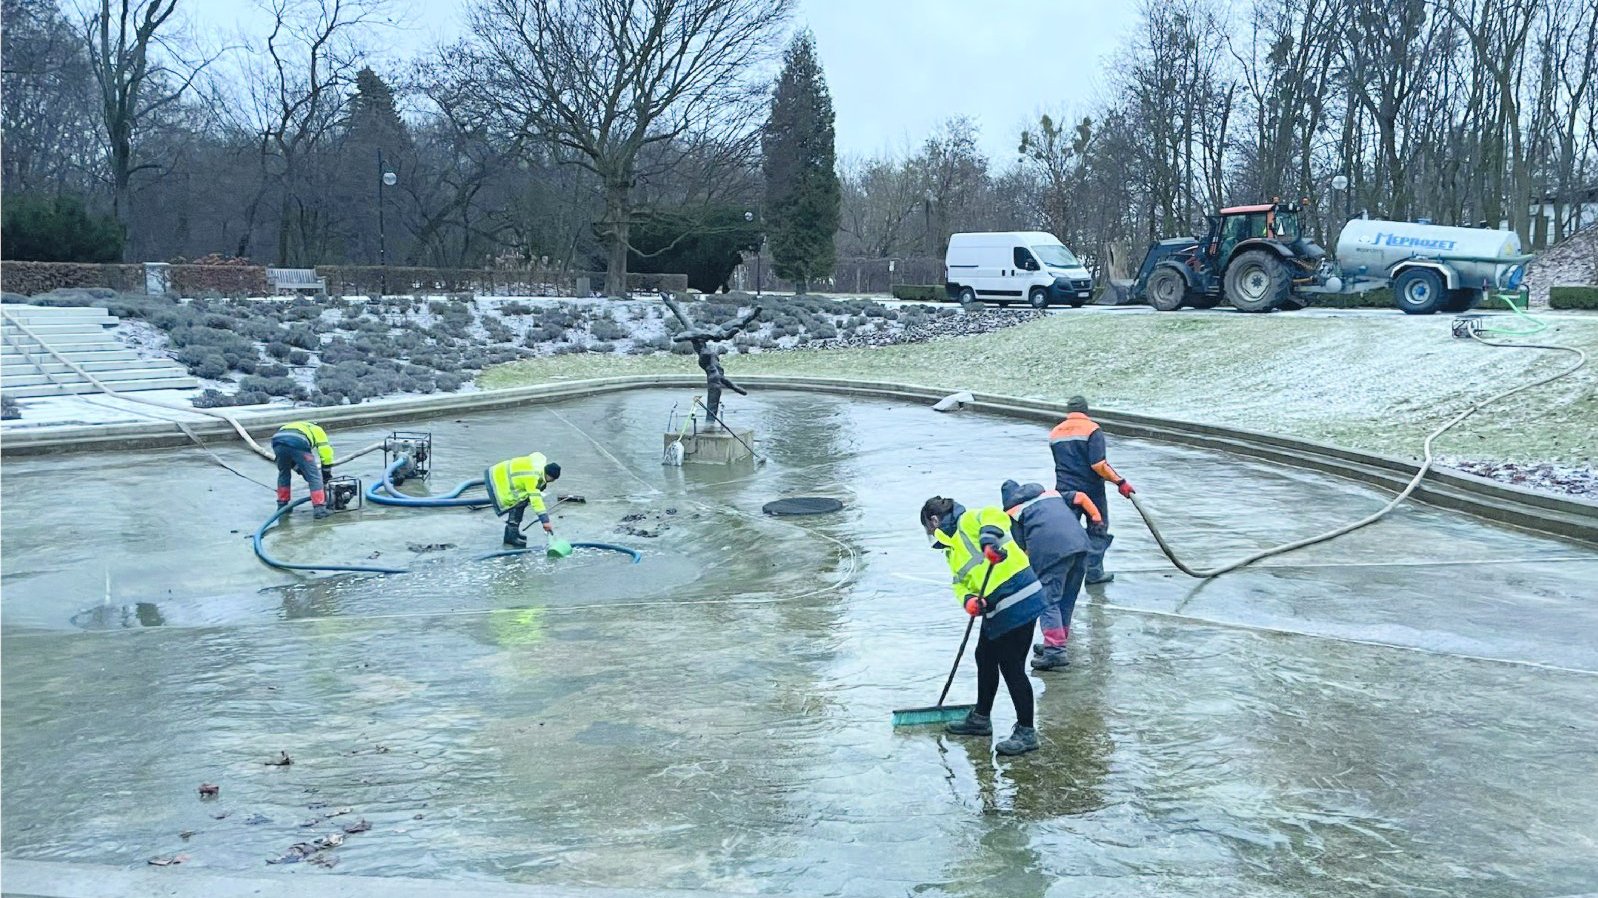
(1126, 489)
(975, 606)
(994, 554)
(549, 528)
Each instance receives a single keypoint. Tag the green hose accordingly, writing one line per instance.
(1521, 311)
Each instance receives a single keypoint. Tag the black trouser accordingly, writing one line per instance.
(513, 518)
(1005, 655)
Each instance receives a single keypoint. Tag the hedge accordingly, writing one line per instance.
(33, 278)
(1380, 298)
(369, 280)
(1573, 298)
(920, 292)
(223, 280)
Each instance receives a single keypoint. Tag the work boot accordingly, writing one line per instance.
(1022, 740)
(1038, 648)
(514, 538)
(321, 512)
(1051, 659)
(974, 724)
(1100, 577)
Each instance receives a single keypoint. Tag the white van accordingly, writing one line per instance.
(1014, 266)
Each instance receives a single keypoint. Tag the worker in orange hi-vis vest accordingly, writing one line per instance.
(1080, 465)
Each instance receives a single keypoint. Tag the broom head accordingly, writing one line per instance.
(909, 717)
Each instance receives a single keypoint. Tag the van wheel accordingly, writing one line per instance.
(1419, 291)
(967, 296)
(1038, 298)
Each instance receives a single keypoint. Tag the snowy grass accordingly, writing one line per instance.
(1372, 383)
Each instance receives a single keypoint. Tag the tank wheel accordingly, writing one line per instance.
(1038, 298)
(1462, 300)
(1258, 281)
(1419, 291)
(1166, 289)
(1204, 300)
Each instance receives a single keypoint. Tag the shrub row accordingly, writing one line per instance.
(30, 278)
(920, 292)
(1573, 298)
(371, 280)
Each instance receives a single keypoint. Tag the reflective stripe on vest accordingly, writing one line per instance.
(1046, 494)
(976, 554)
(1024, 592)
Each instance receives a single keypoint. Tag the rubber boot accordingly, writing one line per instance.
(1051, 659)
(1100, 577)
(1037, 649)
(973, 724)
(1022, 740)
(514, 538)
(321, 512)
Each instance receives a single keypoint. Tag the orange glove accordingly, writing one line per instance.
(994, 554)
(1126, 489)
(976, 606)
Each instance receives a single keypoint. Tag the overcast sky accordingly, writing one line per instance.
(896, 67)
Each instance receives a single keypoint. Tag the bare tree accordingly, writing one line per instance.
(134, 82)
(605, 79)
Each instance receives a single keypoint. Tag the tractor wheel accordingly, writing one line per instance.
(1258, 281)
(1166, 289)
(1038, 298)
(1204, 300)
(1419, 291)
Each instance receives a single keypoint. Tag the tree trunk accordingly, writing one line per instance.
(618, 212)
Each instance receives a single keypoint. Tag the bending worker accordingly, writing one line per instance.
(1080, 466)
(517, 483)
(994, 581)
(303, 446)
(1046, 529)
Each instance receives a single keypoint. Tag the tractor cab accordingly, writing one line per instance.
(1268, 221)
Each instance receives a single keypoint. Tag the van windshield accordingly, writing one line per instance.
(1056, 256)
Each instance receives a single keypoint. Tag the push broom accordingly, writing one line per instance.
(941, 713)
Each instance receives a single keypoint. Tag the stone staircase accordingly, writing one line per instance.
(78, 333)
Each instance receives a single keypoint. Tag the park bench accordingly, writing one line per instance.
(293, 280)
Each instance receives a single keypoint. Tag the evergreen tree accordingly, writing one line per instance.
(802, 194)
(371, 124)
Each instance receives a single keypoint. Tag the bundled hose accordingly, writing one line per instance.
(384, 492)
(109, 390)
(1414, 482)
(260, 550)
(636, 555)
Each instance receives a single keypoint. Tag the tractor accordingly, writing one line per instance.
(1251, 256)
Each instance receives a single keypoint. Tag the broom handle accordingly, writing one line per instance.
(963, 640)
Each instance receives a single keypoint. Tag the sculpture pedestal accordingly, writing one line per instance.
(715, 447)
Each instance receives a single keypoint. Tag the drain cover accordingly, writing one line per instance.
(803, 505)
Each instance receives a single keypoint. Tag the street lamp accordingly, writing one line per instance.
(389, 179)
(1340, 182)
(750, 216)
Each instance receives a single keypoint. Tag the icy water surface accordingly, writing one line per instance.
(1410, 710)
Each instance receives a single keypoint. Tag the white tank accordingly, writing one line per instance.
(1477, 255)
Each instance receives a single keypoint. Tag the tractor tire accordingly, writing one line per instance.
(1166, 289)
(1258, 281)
(1419, 291)
(1204, 300)
(1038, 298)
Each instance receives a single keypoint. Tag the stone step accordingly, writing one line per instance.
(163, 383)
(72, 351)
(124, 361)
(46, 331)
(112, 377)
(44, 314)
(59, 340)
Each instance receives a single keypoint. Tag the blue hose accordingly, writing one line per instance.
(608, 547)
(269, 561)
(384, 492)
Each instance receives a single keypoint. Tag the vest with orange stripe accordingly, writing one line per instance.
(1077, 445)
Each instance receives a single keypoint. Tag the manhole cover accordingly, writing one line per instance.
(803, 505)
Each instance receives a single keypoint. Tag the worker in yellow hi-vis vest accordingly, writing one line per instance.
(302, 446)
(516, 483)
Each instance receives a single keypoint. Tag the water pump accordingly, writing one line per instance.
(343, 493)
(414, 445)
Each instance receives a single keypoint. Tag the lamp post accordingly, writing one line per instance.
(750, 216)
(384, 178)
(1340, 182)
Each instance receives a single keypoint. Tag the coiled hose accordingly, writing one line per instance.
(260, 550)
(384, 492)
(1414, 482)
(636, 555)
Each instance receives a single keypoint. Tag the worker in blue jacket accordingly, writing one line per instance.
(1047, 530)
(993, 580)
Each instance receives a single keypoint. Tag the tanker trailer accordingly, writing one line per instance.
(1431, 267)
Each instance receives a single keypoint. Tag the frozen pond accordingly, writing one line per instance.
(1410, 710)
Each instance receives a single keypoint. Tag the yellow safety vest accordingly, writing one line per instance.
(316, 435)
(518, 480)
(970, 568)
